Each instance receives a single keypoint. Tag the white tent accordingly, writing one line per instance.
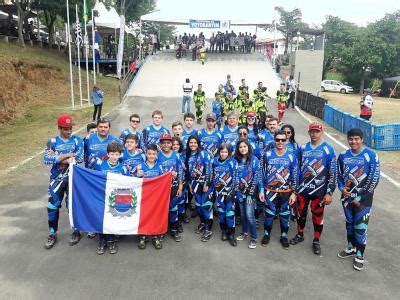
(105, 18)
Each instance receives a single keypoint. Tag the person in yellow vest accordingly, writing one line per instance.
(230, 104)
(282, 97)
(199, 99)
(259, 97)
(245, 105)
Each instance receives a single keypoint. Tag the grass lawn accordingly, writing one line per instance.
(35, 122)
(385, 110)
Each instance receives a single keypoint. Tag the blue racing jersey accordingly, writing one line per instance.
(248, 177)
(128, 131)
(280, 171)
(317, 170)
(131, 161)
(96, 149)
(57, 146)
(230, 135)
(254, 147)
(171, 163)
(217, 108)
(185, 136)
(222, 174)
(198, 170)
(151, 134)
(210, 141)
(253, 134)
(360, 172)
(149, 171)
(265, 138)
(105, 167)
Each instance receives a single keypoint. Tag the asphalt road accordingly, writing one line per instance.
(190, 269)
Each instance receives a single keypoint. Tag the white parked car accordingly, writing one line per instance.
(335, 86)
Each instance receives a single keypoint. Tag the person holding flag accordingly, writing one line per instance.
(59, 152)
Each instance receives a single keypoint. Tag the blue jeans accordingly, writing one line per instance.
(186, 103)
(247, 218)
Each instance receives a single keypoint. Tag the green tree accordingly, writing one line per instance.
(289, 24)
(23, 8)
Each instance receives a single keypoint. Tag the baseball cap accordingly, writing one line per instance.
(251, 114)
(211, 116)
(65, 120)
(165, 137)
(315, 126)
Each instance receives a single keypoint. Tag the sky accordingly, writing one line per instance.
(360, 12)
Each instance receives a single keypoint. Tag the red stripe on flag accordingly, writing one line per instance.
(155, 205)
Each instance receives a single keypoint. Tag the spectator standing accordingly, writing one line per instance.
(187, 96)
(97, 97)
(292, 91)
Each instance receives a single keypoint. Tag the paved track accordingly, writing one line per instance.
(190, 269)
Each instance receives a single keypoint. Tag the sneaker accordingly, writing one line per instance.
(75, 238)
(176, 236)
(51, 241)
(252, 244)
(232, 241)
(224, 236)
(242, 236)
(206, 236)
(161, 237)
(112, 247)
(347, 252)
(200, 229)
(316, 248)
(298, 238)
(91, 235)
(185, 218)
(157, 243)
(142, 243)
(284, 242)
(101, 248)
(180, 228)
(265, 240)
(358, 263)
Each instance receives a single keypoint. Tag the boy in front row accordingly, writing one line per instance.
(149, 169)
(111, 165)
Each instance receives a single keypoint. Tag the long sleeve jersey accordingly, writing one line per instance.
(171, 163)
(218, 108)
(151, 134)
(106, 167)
(360, 172)
(57, 146)
(317, 170)
(199, 99)
(131, 161)
(210, 141)
(128, 131)
(265, 138)
(198, 170)
(96, 148)
(222, 174)
(279, 171)
(248, 177)
(282, 97)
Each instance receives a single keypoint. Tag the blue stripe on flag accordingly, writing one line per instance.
(88, 194)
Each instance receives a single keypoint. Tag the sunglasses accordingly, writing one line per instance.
(251, 118)
(288, 132)
(242, 133)
(211, 120)
(135, 121)
(280, 140)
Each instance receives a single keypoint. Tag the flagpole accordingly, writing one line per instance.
(86, 51)
(68, 36)
(78, 44)
(93, 50)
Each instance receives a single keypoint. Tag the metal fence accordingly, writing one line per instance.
(128, 79)
(310, 103)
(380, 137)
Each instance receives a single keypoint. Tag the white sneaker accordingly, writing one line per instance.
(252, 244)
(242, 236)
